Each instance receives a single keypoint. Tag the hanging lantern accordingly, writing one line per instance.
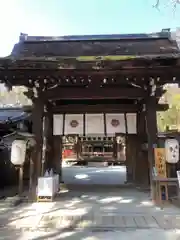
(18, 152)
(172, 150)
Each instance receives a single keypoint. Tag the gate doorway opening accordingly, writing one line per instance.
(98, 160)
(80, 150)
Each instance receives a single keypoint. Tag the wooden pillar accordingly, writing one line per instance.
(78, 148)
(142, 165)
(49, 138)
(131, 153)
(57, 155)
(152, 138)
(37, 128)
(115, 148)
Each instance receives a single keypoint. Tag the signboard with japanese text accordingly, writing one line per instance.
(160, 162)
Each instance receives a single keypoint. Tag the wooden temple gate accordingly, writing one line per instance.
(94, 74)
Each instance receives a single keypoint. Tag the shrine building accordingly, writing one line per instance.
(94, 86)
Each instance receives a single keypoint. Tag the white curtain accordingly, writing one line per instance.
(115, 123)
(73, 124)
(57, 124)
(94, 124)
(131, 123)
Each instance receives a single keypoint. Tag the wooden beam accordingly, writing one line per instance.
(167, 73)
(115, 108)
(94, 93)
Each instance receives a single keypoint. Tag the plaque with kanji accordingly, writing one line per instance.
(160, 162)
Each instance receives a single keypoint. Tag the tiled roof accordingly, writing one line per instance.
(12, 115)
(95, 45)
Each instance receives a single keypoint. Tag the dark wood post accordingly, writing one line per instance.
(152, 138)
(37, 127)
(142, 165)
(115, 148)
(57, 155)
(49, 138)
(131, 154)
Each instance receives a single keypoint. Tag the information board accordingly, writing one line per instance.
(160, 162)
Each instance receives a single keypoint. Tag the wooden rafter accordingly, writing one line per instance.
(94, 93)
(162, 75)
(114, 108)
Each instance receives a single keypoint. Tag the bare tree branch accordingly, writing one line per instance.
(173, 2)
(156, 5)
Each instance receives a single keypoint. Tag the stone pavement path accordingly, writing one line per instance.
(135, 234)
(101, 222)
(119, 213)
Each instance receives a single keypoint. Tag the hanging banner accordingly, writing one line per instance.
(73, 124)
(57, 124)
(115, 123)
(131, 123)
(94, 124)
(160, 162)
(172, 150)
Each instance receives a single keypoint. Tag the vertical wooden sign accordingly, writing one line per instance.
(160, 162)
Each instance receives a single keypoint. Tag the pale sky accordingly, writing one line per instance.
(70, 17)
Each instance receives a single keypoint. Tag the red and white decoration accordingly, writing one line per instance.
(115, 123)
(73, 124)
(94, 124)
(131, 123)
(57, 124)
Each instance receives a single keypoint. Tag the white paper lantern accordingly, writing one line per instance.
(18, 152)
(172, 150)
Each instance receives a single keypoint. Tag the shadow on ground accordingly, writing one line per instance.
(79, 214)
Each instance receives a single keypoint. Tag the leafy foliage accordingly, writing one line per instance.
(14, 98)
(171, 117)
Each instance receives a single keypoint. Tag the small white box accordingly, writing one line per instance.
(56, 176)
(46, 187)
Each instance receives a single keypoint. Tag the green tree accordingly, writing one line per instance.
(13, 98)
(171, 117)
